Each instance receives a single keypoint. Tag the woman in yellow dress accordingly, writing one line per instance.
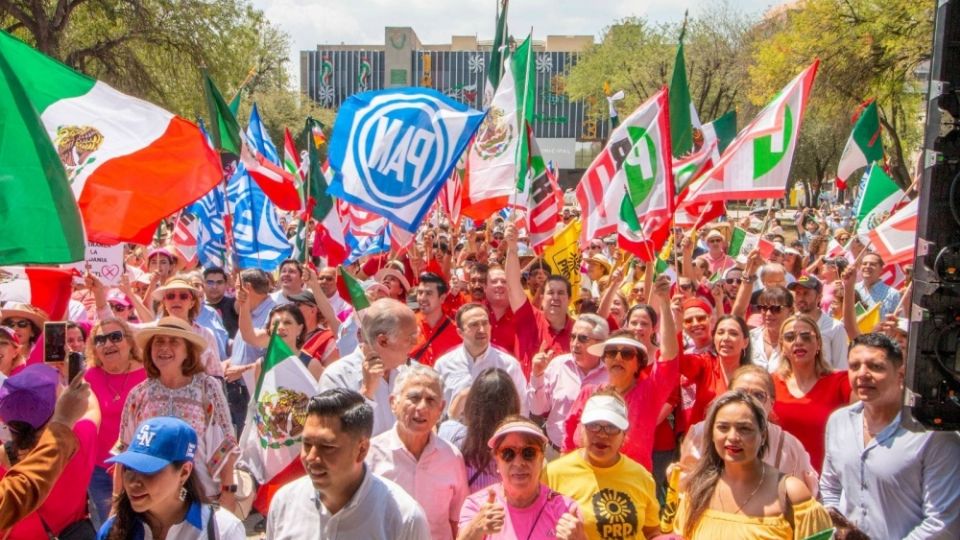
(732, 494)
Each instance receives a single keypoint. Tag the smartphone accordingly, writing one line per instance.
(54, 341)
(74, 365)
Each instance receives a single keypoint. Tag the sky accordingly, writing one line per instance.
(313, 22)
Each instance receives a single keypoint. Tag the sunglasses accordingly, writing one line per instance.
(118, 307)
(115, 337)
(582, 338)
(686, 286)
(790, 337)
(626, 354)
(732, 280)
(716, 241)
(606, 428)
(19, 323)
(173, 296)
(695, 319)
(528, 453)
(772, 309)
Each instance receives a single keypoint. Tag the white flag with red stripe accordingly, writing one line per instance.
(277, 183)
(895, 238)
(757, 164)
(185, 239)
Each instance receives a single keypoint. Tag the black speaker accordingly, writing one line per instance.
(933, 356)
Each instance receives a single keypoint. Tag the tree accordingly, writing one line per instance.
(867, 49)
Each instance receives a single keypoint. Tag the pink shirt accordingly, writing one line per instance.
(537, 521)
(557, 389)
(438, 480)
(111, 391)
(67, 501)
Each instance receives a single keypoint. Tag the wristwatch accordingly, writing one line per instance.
(228, 488)
(748, 279)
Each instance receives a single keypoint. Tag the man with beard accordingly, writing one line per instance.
(437, 332)
(807, 294)
(340, 497)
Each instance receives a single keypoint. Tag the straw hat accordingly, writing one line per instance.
(602, 260)
(24, 311)
(170, 326)
(389, 271)
(175, 283)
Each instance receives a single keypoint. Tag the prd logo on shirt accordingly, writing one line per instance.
(399, 149)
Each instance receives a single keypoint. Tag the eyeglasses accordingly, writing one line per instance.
(184, 296)
(790, 337)
(115, 337)
(582, 338)
(609, 429)
(528, 453)
(118, 307)
(686, 286)
(732, 280)
(626, 354)
(758, 395)
(695, 319)
(19, 323)
(772, 309)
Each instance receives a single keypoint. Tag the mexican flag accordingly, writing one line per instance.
(743, 242)
(351, 290)
(863, 147)
(495, 69)
(494, 158)
(129, 163)
(274, 433)
(683, 115)
(895, 239)
(878, 198)
(540, 196)
(40, 221)
(757, 164)
(320, 204)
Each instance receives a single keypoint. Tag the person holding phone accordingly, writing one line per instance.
(27, 403)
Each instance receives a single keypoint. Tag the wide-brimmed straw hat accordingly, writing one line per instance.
(384, 272)
(597, 348)
(176, 283)
(169, 326)
(24, 311)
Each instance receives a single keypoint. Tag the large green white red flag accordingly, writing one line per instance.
(865, 146)
(130, 163)
(878, 199)
(628, 188)
(895, 238)
(757, 164)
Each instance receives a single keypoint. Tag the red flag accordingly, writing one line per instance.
(278, 184)
(43, 287)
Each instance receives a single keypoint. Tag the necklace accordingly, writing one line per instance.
(123, 384)
(763, 473)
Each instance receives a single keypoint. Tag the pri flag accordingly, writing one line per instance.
(757, 164)
(629, 187)
(130, 163)
(864, 146)
(392, 150)
(894, 240)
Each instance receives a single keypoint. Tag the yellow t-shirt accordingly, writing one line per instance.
(616, 502)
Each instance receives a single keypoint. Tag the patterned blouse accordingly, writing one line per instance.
(202, 404)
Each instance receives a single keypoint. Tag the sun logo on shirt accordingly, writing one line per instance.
(616, 514)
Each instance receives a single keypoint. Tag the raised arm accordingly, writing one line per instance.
(669, 347)
(254, 336)
(742, 301)
(849, 279)
(323, 303)
(512, 268)
(606, 299)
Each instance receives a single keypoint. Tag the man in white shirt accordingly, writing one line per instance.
(459, 367)
(328, 284)
(389, 330)
(807, 295)
(427, 467)
(340, 497)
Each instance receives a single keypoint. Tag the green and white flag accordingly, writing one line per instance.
(683, 115)
(40, 219)
(274, 429)
(743, 242)
(877, 199)
(864, 146)
(495, 69)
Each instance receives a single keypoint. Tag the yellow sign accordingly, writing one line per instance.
(564, 256)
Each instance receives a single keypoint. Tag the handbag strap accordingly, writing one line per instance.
(439, 330)
(212, 525)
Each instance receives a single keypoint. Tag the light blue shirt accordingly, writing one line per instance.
(903, 484)
(210, 319)
(244, 353)
(888, 297)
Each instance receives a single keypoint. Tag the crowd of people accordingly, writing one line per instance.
(476, 393)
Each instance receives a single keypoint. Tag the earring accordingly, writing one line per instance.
(183, 493)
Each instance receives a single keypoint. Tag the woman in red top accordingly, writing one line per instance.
(710, 372)
(807, 390)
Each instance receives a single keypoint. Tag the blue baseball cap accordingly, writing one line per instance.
(157, 443)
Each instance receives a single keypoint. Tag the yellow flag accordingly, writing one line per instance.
(869, 320)
(564, 256)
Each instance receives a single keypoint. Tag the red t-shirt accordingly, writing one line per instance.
(447, 339)
(532, 337)
(67, 501)
(503, 331)
(644, 402)
(806, 417)
(702, 370)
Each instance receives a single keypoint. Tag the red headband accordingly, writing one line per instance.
(696, 303)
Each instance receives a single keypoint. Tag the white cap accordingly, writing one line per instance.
(605, 409)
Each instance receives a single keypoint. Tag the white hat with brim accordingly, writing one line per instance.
(24, 311)
(384, 272)
(175, 284)
(597, 348)
(525, 428)
(601, 260)
(605, 409)
(170, 326)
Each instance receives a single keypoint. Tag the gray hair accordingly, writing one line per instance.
(601, 329)
(771, 267)
(414, 372)
(384, 317)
